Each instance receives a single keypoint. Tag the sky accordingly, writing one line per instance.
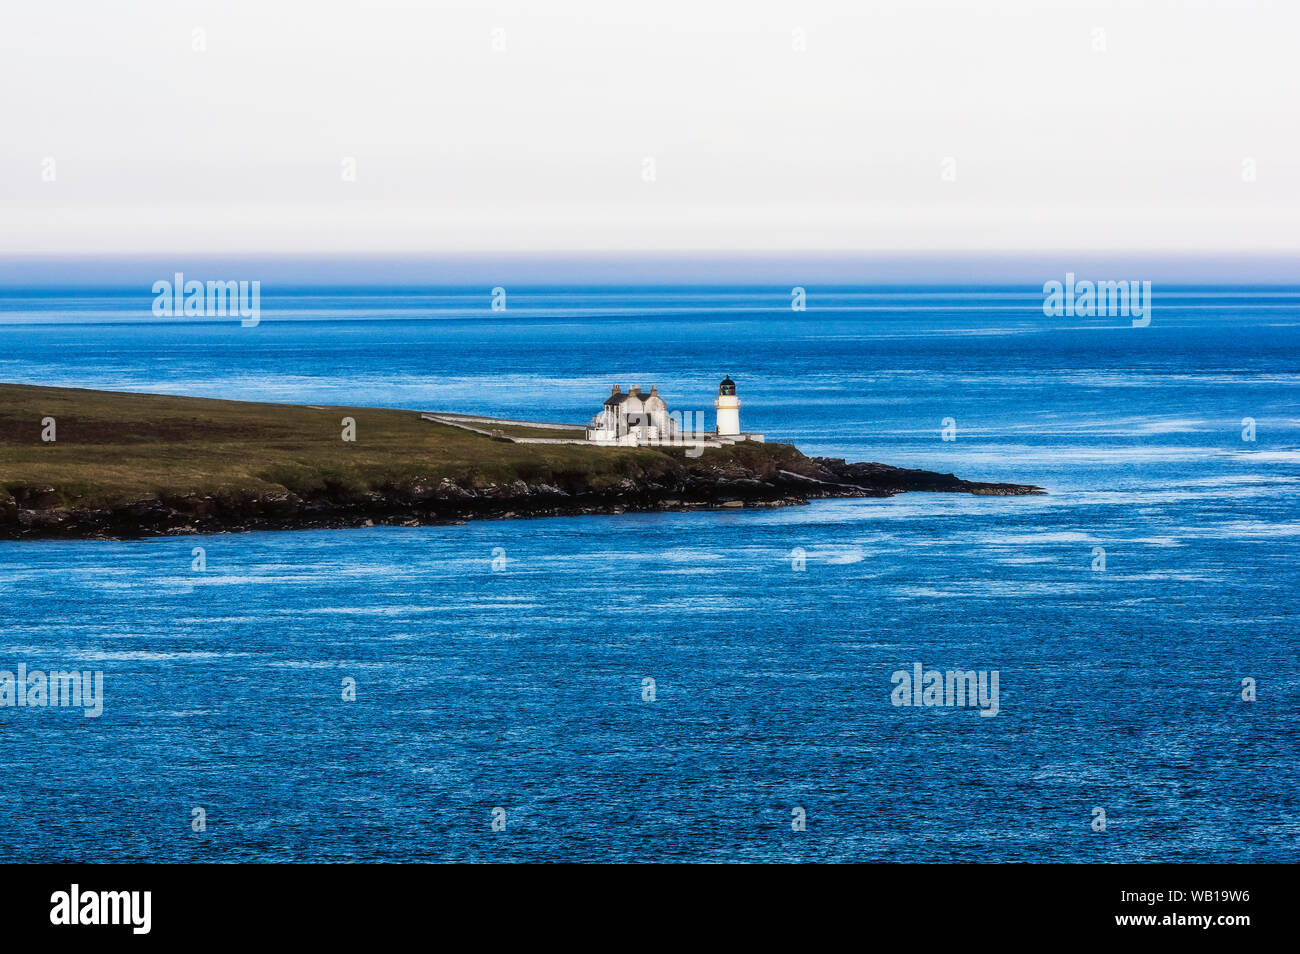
(251, 127)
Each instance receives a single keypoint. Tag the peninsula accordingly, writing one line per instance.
(105, 464)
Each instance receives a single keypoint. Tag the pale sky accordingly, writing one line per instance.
(1159, 126)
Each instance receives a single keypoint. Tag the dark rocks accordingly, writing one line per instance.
(449, 490)
(29, 512)
(418, 492)
(35, 498)
(282, 504)
(897, 480)
(196, 505)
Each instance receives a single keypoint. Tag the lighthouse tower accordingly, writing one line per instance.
(728, 408)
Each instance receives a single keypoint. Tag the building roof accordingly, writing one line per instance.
(618, 397)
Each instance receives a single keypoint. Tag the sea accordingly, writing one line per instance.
(695, 687)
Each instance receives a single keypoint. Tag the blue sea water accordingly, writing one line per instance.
(521, 688)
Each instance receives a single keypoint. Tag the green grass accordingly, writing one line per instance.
(115, 448)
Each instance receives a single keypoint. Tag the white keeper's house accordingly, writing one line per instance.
(638, 417)
(633, 418)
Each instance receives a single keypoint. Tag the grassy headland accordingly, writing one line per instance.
(119, 460)
(114, 447)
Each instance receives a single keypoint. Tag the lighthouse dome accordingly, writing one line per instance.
(727, 386)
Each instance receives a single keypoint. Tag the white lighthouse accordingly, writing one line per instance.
(728, 408)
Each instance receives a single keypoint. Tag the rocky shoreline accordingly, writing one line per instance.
(36, 512)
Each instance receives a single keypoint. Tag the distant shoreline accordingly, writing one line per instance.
(80, 464)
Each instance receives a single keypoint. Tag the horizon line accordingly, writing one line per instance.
(607, 268)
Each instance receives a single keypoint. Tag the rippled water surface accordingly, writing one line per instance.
(522, 687)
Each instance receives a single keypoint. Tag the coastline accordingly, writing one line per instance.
(137, 465)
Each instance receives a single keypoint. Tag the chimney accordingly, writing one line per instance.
(614, 391)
